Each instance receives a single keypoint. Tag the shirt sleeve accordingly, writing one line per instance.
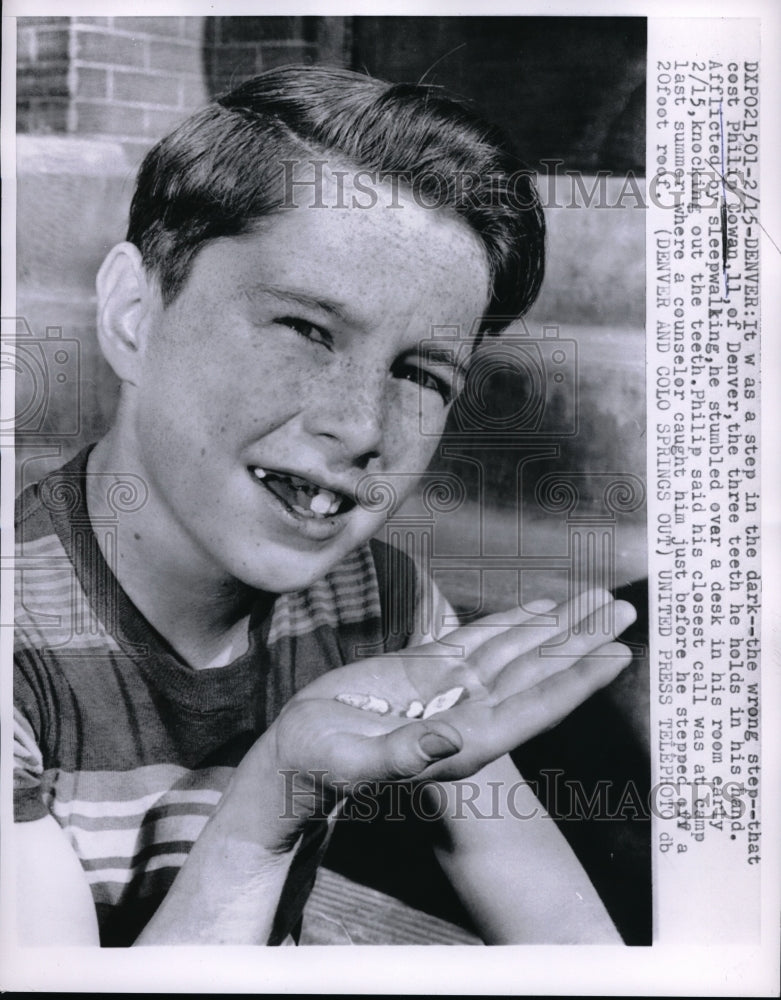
(28, 770)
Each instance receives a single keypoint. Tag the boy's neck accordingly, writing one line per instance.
(203, 614)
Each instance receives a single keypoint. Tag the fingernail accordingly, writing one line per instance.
(435, 746)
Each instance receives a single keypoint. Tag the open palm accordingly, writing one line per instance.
(522, 671)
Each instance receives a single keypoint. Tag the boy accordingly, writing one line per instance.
(289, 248)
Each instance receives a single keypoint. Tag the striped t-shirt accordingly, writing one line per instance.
(127, 746)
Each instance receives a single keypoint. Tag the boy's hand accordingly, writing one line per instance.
(522, 671)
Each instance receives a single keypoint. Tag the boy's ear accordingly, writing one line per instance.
(126, 300)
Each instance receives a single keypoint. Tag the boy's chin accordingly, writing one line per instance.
(286, 572)
(281, 583)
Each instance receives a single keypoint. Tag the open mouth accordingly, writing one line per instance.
(301, 496)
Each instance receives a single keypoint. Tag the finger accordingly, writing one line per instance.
(466, 639)
(405, 752)
(564, 620)
(528, 713)
(605, 623)
(563, 650)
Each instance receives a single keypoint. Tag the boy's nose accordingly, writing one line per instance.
(350, 415)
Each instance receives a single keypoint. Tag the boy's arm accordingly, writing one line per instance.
(53, 900)
(227, 891)
(516, 874)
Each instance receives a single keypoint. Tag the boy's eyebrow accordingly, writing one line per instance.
(331, 306)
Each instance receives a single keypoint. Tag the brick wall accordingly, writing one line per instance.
(132, 78)
(236, 48)
(42, 87)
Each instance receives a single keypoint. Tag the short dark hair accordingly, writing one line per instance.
(220, 171)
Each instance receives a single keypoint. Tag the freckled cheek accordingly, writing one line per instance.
(407, 448)
(250, 398)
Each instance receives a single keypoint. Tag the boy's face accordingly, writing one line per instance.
(294, 352)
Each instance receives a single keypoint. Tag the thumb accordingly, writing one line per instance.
(407, 751)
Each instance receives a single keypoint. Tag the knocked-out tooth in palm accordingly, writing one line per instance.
(415, 710)
(353, 700)
(260, 473)
(366, 702)
(442, 702)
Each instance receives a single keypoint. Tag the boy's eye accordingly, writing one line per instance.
(425, 379)
(310, 331)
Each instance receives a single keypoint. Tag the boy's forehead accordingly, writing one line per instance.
(340, 252)
(334, 187)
